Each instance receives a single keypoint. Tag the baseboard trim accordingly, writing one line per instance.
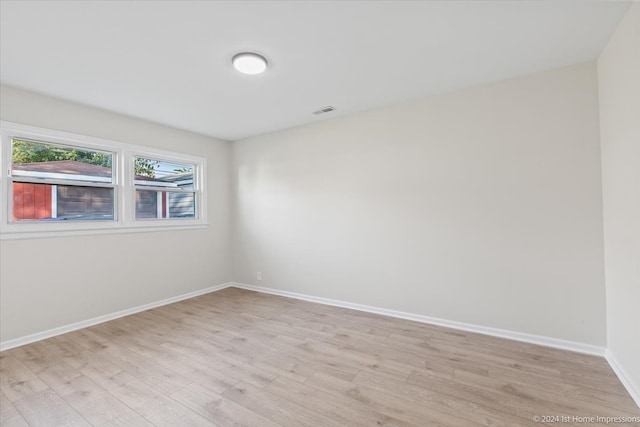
(468, 327)
(633, 389)
(627, 382)
(17, 342)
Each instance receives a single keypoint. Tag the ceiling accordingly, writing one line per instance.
(170, 61)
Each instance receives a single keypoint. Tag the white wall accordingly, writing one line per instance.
(481, 206)
(619, 83)
(47, 283)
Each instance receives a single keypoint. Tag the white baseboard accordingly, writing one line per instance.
(627, 382)
(469, 327)
(17, 342)
(633, 389)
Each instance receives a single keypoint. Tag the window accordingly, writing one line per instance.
(55, 182)
(164, 190)
(61, 183)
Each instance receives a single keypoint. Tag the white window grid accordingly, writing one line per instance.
(123, 184)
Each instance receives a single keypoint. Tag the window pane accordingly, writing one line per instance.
(61, 202)
(85, 202)
(147, 204)
(48, 161)
(151, 204)
(160, 173)
(182, 205)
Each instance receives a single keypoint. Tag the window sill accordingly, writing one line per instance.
(150, 228)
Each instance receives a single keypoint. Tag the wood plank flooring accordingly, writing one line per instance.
(240, 358)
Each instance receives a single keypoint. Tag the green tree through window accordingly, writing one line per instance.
(36, 152)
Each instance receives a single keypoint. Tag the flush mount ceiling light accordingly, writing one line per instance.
(249, 63)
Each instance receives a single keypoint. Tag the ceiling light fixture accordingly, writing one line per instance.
(249, 63)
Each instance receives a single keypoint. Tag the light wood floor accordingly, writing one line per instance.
(236, 357)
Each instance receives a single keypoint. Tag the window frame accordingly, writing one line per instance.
(59, 181)
(123, 183)
(173, 159)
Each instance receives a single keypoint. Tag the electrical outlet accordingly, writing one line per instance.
(259, 275)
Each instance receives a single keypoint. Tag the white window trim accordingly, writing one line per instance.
(124, 203)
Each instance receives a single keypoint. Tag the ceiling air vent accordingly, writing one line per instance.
(324, 110)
